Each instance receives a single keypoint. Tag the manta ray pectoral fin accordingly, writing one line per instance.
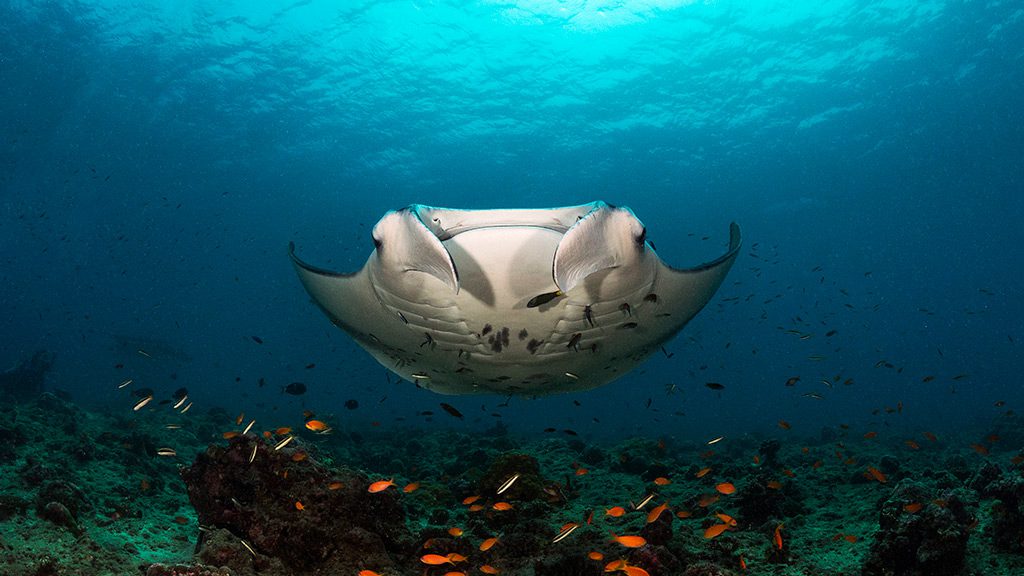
(606, 237)
(405, 243)
(690, 289)
(345, 298)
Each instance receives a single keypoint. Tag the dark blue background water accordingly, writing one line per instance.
(156, 159)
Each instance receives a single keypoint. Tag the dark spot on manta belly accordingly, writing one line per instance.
(533, 345)
(523, 334)
(487, 330)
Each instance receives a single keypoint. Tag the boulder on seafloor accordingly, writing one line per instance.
(922, 533)
(288, 507)
(1007, 527)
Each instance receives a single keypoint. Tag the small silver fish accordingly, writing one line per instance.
(565, 532)
(508, 483)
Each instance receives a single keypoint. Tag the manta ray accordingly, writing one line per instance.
(516, 302)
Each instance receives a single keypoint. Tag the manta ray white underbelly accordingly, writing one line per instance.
(526, 302)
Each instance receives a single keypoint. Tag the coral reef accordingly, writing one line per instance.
(90, 493)
(281, 503)
(921, 534)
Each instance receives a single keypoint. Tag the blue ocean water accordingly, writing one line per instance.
(157, 157)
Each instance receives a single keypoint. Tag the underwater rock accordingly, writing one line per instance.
(1007, 526)
(186, 570)
(69, 496)
(59, 514)
(224, 549)
(757, 503)
(655, 559)
(988, 473)
(26, 380)
(285, 509)
(929, 542)
(528, 487)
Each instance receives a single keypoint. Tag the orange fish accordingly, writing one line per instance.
(475, 508)
(317, 426)
(231, 434)
(368, 573)
(876, 474)
(454, 531)
(615, 566)
(870, 435)
(470, 499)
(180, 520)
(743, 563)
(684, 513)
(931, 436)
(615, 512)
(912, 445)
(726, 518)
(435, 559)
(850, 538)
(456, 557)
(715, 530)
(635, 571)
(655, 512)
(662, 481)
(703, 472)
(299, 456)
(725, 488)
(774, 484)
(581, 471)
(488, 544)
(335, 485)
(980, 449)
(913, 507)
(502, 506)
(240, 418)
(299, 506)
(707, 500)
(380, 486)
(757, 459)
(411, 487)
(784, 425)
(629, 541)
(488, 569)
(789, 473)
(777, 537)
(595, 555)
